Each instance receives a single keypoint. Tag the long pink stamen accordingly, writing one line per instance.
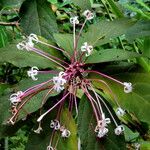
(34, 88)
(101, 81)
(44, 55)
(94, 109)
(52, 46)
(49, 72)
(41, 117)
(104, 75)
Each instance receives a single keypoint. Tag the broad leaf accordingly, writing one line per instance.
(146, 47)
(3, 36)
(102, 32)
(108, 55)
(87, 123)
(84, 4)
(11, 3)
(140, 29)
(23, 58)
(37, 17)
(41, 141)
(65, 41)
(138, 101)
(115, 8)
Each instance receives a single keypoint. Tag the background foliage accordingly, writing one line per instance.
(122, 51)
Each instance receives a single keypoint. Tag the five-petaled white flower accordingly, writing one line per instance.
(74, 20)
(101, 129)
(87, 48)
(127, 87)
(33, 72)
(15, 98)
(59, 82)
(119, 129)
(88, 14)
(65, 133)
(120, 112)
(55, 124)
(28, 42)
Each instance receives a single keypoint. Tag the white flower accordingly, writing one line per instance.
(88, 14)
(101, 129)
(127, 87)
(137, 146)
(102, 132)
(15, 98)
(55, 124)
(33, 72)
(65, 133)
(38, 130)
(87, 48)
(119, 129)
(50, 148)
(25, 45)
(74, 20)
(59, 82)
(120, 112)
(33, 37)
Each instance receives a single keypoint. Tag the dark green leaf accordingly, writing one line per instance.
(102, 32)
(146, 47)
(84, 4)
(23, 58)
(65, 41)
(115, 8)
(11, 3)
(37, 17)
(138, 101)
(140, 29)
(108, 55)
(3, 36)
(87, 125)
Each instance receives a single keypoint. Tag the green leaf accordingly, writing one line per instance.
(53, 1)
(84, 4)
(146, 47)
(138, 101)
(23, 58)
(108, 55)
(102, 32)
(3, 37)
(115, 8)
(140, 29)
(37, 17)
(87, 123)
(65, 41)
(41, 141)
(11, 3)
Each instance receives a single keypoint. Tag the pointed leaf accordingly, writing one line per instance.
(37, 17)
(102, 32)
(23, 58)
(84, 4)
(108, 55)
(137, 102)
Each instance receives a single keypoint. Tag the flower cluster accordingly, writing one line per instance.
(69, 81)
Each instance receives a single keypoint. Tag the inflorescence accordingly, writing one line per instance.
(69, 81)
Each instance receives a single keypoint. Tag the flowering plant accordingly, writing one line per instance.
(73, 101)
